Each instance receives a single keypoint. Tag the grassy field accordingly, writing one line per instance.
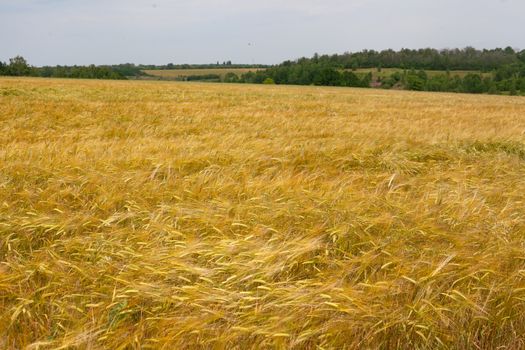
(156, 215)
(183, 73)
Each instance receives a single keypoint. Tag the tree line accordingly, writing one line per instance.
(225, 64)
(489, 71)
(468, 58)
(18, 66)
(508, 79)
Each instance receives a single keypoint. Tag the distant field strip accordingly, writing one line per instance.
(164, 215)
(385, 72)
(181, 73)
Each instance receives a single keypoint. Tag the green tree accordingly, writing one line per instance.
(350, 79)
(488, 85)
(493, 90)
(248, 77)
(367, 80)
(522, 85)
(437, 83)
(269, 81)
(231, 77)
(455, 84)
(513, 88)
(521, 56)
(414, 82)
(472, 83)
(18, 66)
(327, 76)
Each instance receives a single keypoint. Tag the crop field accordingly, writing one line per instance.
(183, 73)
(173, 74)
(161, 215)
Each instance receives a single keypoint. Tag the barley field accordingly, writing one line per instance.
(160, 215)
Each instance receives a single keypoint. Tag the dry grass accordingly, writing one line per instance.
(183, 73)
(177, 216)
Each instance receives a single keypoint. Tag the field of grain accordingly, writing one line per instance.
(183, 73)
(158, 215)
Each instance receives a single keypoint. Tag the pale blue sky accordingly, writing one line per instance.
(50, 32)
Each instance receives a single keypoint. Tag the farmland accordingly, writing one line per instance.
(182, 216)
(178, 74)
(181, 74)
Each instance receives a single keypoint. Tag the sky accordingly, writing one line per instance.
(67, 32)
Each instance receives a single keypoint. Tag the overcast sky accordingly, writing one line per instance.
(50, 32)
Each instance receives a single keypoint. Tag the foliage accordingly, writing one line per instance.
(307, 74)
(341, 70)
(18, 66)
(231, 78)
(427, 59)
(80, 72)
(415, 82)
(472, 83)
(128, 70)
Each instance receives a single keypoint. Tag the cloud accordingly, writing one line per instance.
(161, 31)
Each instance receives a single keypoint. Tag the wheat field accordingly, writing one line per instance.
(159, 215)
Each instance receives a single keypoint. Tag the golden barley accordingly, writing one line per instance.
(181, 216)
